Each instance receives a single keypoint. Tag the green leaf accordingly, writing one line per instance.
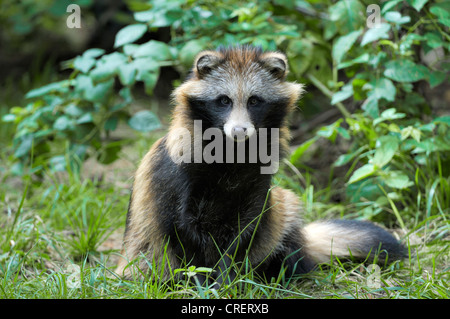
(149, 80)
(443, 119)
(365, 190)
(107, 66)
(144, 65)
(358, 84)
(408, 40)
(144, 121)
(348, 15)
(345, 158)
(381, 31)
(166, 19)
(381, 88)
(163, 14)
(343, 44)
(63, 123)
(190, 50)
(93, 53)
(389, 114)
(129, 34)
(100, 92)
(363, 58)
(330, 30)
(125, 93)
(442, 11)
(405, 71)
(73, 110)
(147, 71)
(61, 87)
(300, 54)
(433, 144)
(320, 65)
(434, 40)
(410, 131)
(83, 63)
(397, 179)
(343, 132)
(329, 131)
(8, 118)
(297, 154)
(111, 123)
(436, 77)
(157, 50)
(26, 142)
(362, 172)
(127, 74)
(417, 4)
(83, 83)
(86, 118)
(130, 49)
(388, 146)
(345, 92)
(144, 16)
(389, 5)
(396, 17)
(370, 107)
(203, 269)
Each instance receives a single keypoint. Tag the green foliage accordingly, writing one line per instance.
(394, 141)
(75, 116)
(397, 149)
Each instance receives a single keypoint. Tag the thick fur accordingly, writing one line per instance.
(210, 214)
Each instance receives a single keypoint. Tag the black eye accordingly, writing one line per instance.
(225, 100)
(253, 101)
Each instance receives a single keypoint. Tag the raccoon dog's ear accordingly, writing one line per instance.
(275, 63)
(205, 62)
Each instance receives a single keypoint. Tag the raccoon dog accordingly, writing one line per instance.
(214, 213)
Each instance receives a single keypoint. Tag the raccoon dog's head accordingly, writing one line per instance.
(239, 90)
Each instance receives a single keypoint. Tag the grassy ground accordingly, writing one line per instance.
(60, 239)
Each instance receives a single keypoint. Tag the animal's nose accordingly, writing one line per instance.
(239, 131)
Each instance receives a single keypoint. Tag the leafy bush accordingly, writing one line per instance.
(396, 143)
(401, 149)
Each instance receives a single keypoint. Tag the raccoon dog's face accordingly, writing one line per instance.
(239, 90)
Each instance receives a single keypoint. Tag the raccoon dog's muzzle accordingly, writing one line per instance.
(238, 125)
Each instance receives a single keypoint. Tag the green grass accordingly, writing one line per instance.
(61, 238)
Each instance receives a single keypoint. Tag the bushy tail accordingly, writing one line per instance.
(348, 238)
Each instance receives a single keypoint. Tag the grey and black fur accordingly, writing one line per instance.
(210, 215)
